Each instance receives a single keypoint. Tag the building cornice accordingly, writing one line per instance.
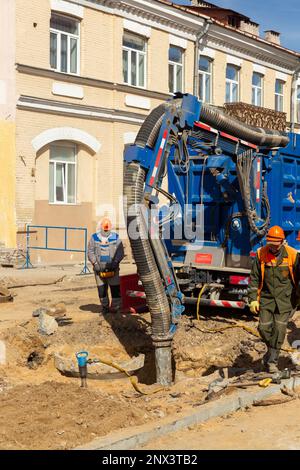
(151, 14)
(92, 82)
(249, 49)
(32, 103)
(176, 19)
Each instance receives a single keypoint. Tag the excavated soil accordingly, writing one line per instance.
(43, 409)
(55, 415)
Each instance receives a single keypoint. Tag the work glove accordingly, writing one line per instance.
(254, 307)
(97, 268)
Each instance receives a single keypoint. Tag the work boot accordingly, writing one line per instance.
(272, 363)
(104, 309)
(115, 309)
(265, 359)
(115, 305)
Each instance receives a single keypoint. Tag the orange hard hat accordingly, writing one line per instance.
(106, 224)
(275, 234)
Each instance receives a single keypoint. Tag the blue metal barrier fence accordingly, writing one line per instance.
(28, 264)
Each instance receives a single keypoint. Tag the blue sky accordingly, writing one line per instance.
(280, 15)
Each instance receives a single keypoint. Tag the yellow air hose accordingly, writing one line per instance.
(133, 380)
(235, 324)
(199, 298)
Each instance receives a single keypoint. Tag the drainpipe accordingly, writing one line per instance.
(293, 96)
(199, 37)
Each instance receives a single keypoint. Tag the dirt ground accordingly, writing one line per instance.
(43, 409)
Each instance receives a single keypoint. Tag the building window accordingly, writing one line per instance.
(205, 79)
(175, 69)
(64, 44)
(257, 89)
(279, 95)
(232, 83)
(134, 60)
(62, 174)
(234, 21)
(298, 104)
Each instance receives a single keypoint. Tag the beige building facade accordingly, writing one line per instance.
(77, 80)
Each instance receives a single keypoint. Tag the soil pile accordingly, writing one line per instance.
(60, 416)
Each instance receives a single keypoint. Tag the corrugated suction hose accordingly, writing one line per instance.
(134, 180)
(256, 135)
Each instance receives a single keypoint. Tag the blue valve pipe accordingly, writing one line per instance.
(82, 366)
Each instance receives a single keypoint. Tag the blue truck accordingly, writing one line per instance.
(201, 190)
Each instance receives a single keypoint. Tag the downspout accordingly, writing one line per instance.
(293, 97)
(199, 37)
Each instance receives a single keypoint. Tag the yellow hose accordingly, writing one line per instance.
(244, 327)
(199, 298)
(133, 380)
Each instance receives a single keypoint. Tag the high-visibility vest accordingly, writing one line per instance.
(106, 246)
(265, 257)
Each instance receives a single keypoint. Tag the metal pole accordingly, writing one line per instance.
(27, 264)
(199, 37)
(85, 250)
(85, 269)
(293, 97)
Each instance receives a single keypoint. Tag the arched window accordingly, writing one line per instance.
(62, 173)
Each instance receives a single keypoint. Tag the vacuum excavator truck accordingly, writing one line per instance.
(201, 189)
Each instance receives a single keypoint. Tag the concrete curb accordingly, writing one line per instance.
(140, 435)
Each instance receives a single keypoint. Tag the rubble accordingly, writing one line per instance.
(59, 310)
(47, 325)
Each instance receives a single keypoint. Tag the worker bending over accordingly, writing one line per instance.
(105, 252)
(272, 292)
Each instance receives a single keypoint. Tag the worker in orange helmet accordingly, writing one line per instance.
(105, 252)
(273, 292)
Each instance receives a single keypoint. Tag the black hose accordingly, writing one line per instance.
(255, 135)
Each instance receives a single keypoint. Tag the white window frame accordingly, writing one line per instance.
(298, 104)
(202, 78)
(174, 66)
(256, 89)
(65, 189)
(231, 83)
(279, 97)
(70, 36)
(129, 51)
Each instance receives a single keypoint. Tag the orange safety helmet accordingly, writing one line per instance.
(275, 234)
(106, 224)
